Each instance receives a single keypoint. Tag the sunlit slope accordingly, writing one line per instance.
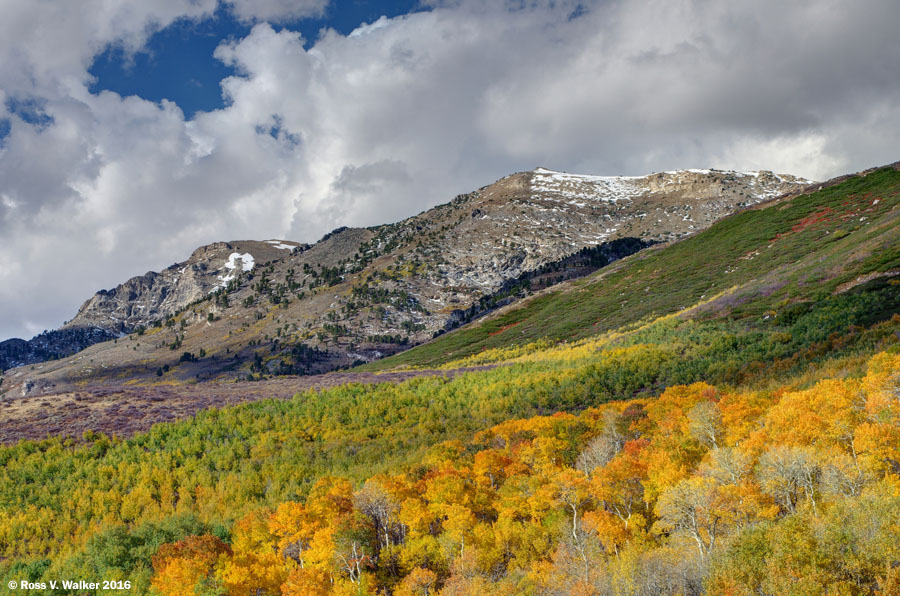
(257, 309)
(763, 331)
(105, 507)
(763, 262)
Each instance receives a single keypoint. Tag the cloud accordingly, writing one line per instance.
(795, 153)
(277, 10)
(46, 47)
(403, 114)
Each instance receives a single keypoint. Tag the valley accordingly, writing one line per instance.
(449, 298)
(664, 424)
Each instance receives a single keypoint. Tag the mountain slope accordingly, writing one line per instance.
(257, 308)
(153, 296)
(544, 474)
(773, 260)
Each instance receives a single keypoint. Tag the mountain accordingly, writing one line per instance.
(797, 256)
(153, 296)
(235, 309)
(714, 415)
(50, 345)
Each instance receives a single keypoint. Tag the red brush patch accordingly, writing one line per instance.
(818, 217)
(504, 328)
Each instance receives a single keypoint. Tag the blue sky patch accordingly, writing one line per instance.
(178, 62)
(278, 132)
(30, 110)
(4, 130)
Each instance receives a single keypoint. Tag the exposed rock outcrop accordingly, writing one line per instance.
(248, 307)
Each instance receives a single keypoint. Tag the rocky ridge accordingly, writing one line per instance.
(246, 309)
(147, 298)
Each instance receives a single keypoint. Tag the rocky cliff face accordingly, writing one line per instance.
(251, 308)
(144, 299)
(153, 296)
(526, 220)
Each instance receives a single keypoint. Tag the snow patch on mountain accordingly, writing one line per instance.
(577, 187)
(280, 244)
(245, 261)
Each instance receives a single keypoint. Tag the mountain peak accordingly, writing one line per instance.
(361, 293)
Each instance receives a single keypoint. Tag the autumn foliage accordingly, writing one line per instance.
(701, 490)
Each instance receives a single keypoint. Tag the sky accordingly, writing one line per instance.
(133, 132)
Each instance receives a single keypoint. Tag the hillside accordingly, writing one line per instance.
(740, 441)
(762, 266)
(248, 309)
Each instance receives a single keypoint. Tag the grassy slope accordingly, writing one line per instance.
(764, 258)
(223, 463)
